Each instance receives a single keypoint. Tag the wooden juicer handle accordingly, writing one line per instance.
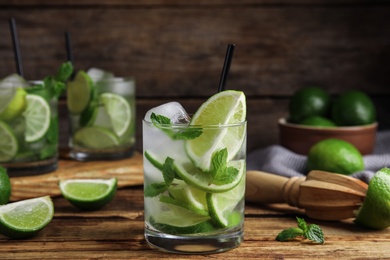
(323, 195)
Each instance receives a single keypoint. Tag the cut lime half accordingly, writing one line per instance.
(201, 180)
(25, 218)
(95, 137)
(89, 194)
(221, 205)
(79, 92)
(37, 115)
(119, 111)
(8, 143)
(226, 107)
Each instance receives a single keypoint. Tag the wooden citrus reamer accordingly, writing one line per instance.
(323, 195)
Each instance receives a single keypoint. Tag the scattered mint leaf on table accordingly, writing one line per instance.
(312, 232)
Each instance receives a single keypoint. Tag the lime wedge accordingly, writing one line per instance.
(119, 111)
(226, 107)
(182, 192)
(95, 137)
(79, 92)
(180, 205)
(201, 180)
(12, 103)
(25, 218)
(37, 115)
(8, 143)
(5, 186)
(375, 211)
(89, 194)
(221, 205)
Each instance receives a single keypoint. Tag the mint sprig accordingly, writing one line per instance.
(179, 134)
(312, 232)
(168, 173)
(220, 172)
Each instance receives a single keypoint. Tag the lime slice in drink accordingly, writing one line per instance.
(79, 92)
(202, 227)
(221, 205)
(5, 186)
(95, 137)
(8, 143)
(119, 111)
(180, 205)
(26, 217)
(89, 194)
(37, 115)
(12, 103)
(202, 180)
(226, 107)
(182, 192)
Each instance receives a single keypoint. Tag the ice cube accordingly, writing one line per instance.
(99, 74)
(13, 80)
(173, 110)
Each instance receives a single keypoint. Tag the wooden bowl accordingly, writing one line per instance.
(300, 138)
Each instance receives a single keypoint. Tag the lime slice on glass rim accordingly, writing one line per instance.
(89, 194)
(221, 205)
(79, 93)
(25, 218)
(118, 110)
(8, 143)
(95, 137)
(225, 107)
(37, 115)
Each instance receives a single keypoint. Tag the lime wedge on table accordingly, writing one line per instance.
(12, 103)
(8, 143)
(201, 180)
(95, 137)
(26, 217)
(119, 111)
(79, 92)
(89, 194)
(221, 205)
(37, 115)
(375, 211)
(226, 107)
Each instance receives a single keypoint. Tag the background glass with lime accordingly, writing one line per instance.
(194, 175)
(28, 126)
(101, 116)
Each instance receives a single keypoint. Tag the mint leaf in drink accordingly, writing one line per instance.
(64, 72)
(220, 173)
(180, 134)
(155, 189)
(168, 173)
(312, 232)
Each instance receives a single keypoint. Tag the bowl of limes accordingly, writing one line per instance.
(314, 116)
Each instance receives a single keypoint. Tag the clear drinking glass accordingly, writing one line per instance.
(28, 129)
(185, 210)
(105, 130)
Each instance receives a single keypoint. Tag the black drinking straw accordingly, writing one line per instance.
(15, 43)
(68, 45)
(226, 66)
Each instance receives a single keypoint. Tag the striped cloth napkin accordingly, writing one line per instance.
(278, 160)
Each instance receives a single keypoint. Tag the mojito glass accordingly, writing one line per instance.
(28, 127)
(194, 176)
(101, 117)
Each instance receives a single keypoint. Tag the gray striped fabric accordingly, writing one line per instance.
(279, 160)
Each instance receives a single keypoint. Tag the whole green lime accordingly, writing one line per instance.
(375, 211)
(352, 108)
(318, 121)
(308, 101)
(5, 186)
(335, 155)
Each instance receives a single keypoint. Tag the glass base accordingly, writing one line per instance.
(210, 244)
(31, 168)
(100, 155)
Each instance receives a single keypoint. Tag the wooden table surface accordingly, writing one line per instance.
(116, 231)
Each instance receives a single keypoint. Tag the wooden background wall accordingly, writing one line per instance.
(175, 49)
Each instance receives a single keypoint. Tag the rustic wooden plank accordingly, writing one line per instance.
(279, 48)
